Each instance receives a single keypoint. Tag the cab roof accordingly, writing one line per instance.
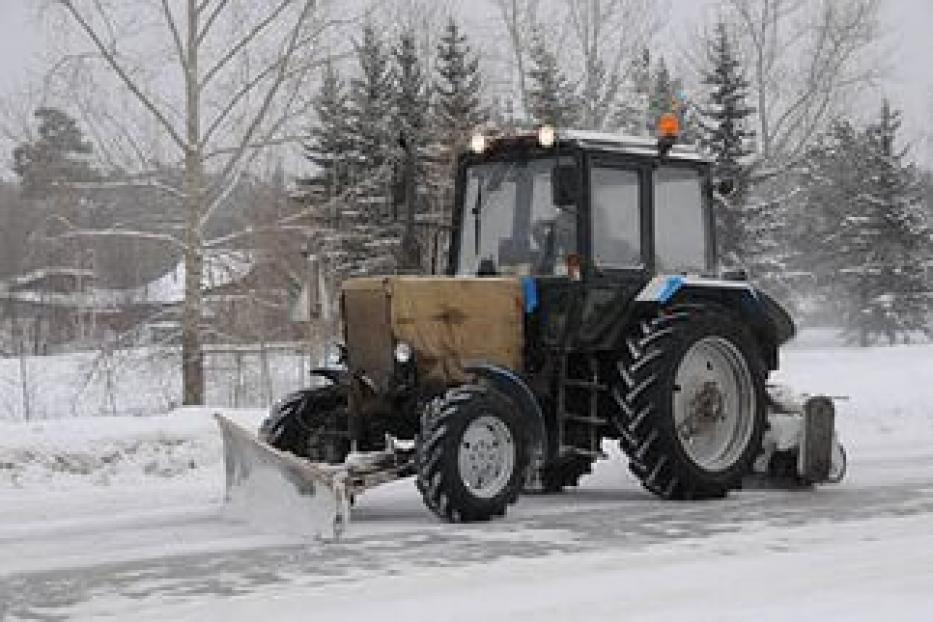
(641, 146)
(633, 145)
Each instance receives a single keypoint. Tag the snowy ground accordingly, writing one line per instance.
(121, 518)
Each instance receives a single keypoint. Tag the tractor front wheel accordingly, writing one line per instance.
(471, 454)
(690, 390)
(311, 424)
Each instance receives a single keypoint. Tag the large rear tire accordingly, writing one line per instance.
(690, 390)
(471, 454)
(311, 424)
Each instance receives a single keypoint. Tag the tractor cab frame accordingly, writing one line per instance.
(629, 210)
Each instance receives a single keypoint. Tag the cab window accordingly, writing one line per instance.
(679, 220)
(614, 201)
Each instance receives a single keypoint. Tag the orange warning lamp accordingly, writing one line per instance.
(668, 126)
(668, 131)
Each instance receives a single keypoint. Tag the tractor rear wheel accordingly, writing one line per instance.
(311, 424)
(471, 454)
(690, 390)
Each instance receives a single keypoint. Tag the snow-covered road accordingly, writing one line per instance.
(137, 531)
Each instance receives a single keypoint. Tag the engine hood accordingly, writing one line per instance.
(450, 322)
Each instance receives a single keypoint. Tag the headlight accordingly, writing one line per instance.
(403, 353)
(478, 143)
(546, 136)
(334, 355)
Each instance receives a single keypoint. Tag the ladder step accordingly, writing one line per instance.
(590, 420)
(571, 450)
(585, 384)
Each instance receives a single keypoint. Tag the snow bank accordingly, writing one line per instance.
(886, 391)
(143, 381)
(100, 451)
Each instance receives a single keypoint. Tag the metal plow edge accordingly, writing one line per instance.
(318, 492)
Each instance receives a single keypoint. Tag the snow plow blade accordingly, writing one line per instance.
(258, 476)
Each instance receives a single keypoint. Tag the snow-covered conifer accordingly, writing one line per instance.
(330, 146)
(551, 97)
(372, 103)
(724, 135)
(888, 242)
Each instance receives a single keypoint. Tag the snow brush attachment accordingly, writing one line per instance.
(276, 489)
(801, 445)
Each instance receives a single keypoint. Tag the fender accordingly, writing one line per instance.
(771, 323)
(337, 376)
(510, 384)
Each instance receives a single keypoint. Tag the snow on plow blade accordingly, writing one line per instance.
(274, 486)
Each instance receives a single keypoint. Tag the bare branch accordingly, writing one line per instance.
(120, 233)
(128, 183)
(254, 82)
(250, 133)
(121, 72)
(250, 36)
(176, 35)
(210, 18)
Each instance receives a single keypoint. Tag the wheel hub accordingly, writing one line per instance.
(705, 407)
(714, 403)
(486, 456)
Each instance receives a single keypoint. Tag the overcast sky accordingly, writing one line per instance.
(909, 83)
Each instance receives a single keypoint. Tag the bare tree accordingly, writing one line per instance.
(520, 18)
(608, 34)
(595, 41)
(236, 76)
(803, 58)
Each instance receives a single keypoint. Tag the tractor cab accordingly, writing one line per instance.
(583, 205)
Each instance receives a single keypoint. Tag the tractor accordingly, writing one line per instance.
(582, 304)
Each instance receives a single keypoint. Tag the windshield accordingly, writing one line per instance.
(509, 223)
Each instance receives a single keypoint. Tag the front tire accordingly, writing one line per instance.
(311, 424)
(691, 402)
(471, 454)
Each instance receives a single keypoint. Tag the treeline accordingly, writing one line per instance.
(384, 141)
(839, 232)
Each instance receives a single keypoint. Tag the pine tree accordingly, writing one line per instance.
(829, 178)
(889, 230)
(372, 104)
(661, 98)
(631, 114)
(59, 155)
(458, 112)
(867, 235)
(458, 109)
(724, 136)
(412, 101)
(551, 98)
(330, 147)
(412, 107)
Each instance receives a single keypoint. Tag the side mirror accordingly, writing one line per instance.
(565, 186)
(725, 187)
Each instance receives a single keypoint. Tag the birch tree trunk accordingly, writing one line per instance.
(240, 91)
(191, 352)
